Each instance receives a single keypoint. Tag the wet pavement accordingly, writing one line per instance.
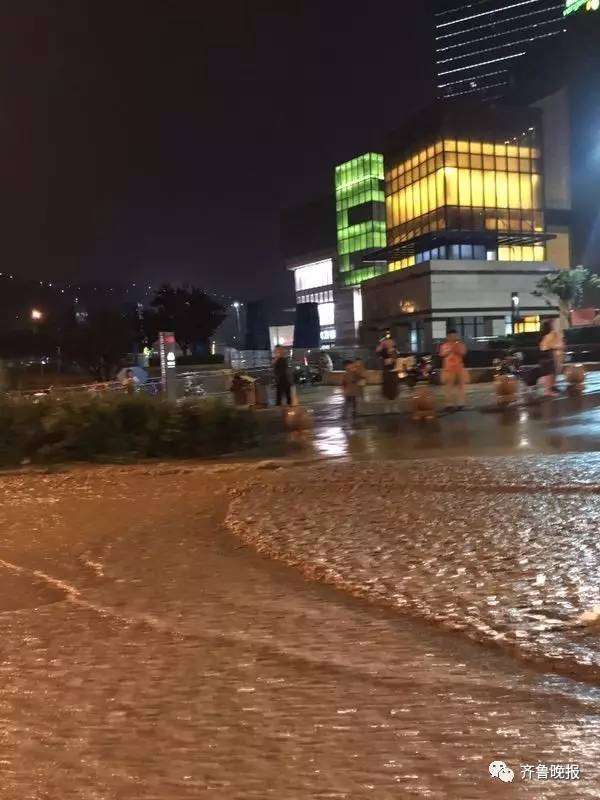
(148, 654)
(563, 425)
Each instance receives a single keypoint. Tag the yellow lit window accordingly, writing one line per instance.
(476, 147)
(430, 152)
(528, 325)
(512, 151)
(500, 149)
(464, 187)
(440, 188)
(439, 147)
(488, 149)
(514, 190)
(449, 144)
(477, 187)
(422, 156)
(501, 190)
(462, 147)
(451, 175)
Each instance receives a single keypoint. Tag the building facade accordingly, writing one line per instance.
(466, 225)
(360, 209)
(477, 42)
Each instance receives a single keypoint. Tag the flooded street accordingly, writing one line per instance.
(148, 653)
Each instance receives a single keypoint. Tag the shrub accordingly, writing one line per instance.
(116, 426)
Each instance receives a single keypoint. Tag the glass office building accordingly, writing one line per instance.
(361, 224)
(478, 42)
(470, 187)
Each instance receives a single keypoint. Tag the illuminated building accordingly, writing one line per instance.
(465, 221)
(324, 246)
(478, 42)
(360, 208)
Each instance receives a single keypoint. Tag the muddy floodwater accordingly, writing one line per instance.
(148, 649)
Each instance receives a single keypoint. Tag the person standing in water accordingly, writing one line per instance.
(552, 351)
(454, 374)
(281, 372)
(388, 352)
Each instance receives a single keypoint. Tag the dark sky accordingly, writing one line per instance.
(160, 139)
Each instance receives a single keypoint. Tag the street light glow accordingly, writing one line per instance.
(36, 314)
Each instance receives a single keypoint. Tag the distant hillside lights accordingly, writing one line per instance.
(572, 6)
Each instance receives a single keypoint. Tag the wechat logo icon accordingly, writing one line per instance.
(499, 770)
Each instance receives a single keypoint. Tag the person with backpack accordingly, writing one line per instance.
(454, 375)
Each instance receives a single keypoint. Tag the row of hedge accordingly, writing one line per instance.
(119, 426)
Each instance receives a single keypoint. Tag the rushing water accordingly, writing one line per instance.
(148, 654)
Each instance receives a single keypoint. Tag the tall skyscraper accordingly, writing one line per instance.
(477, 43)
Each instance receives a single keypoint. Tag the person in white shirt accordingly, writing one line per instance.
(552, 351)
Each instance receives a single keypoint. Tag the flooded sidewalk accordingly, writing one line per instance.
(156, 657)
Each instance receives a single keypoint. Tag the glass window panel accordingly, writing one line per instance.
(431, 192)
(451, 160)
(451, 175)
(488, 149)
(514, 190)
(537, 191)
(462, 147)
(439, 161)
(476, 147)
(449, 144)
(425, 201)
(501, 190)
(463, 160)
(477, 162)
(526, 191)
(500, 149)
(417, 200)
(414, 162)
(326, 314)
(489, 162)
(430, 151)
(477, 197)
(409, 203)
(464, 187)
(512, 151)
(513, 164)
(430, 165)
(422, 156)
(440, 188)
(501, 163)
(423, 170)
(439, 147)
(489, 189)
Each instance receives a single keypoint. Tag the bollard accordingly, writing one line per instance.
(423, 404)
(506, 390)
(575, 375)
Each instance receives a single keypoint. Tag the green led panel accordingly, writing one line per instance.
(358, 183)
(571, 6)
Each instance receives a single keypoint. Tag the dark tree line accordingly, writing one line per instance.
(98, 342)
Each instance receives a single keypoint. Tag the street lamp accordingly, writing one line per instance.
(37, 315)
(237, 305)
(514, 306)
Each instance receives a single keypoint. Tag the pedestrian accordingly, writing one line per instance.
(350, 386)
(454, 375)
(388, 352)
(551, 358)
(281, 371)
(131, 382)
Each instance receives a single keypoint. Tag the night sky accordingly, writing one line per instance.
(160, 140)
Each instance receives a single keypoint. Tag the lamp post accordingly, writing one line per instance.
(36, 315)
(237, 305)
(514, 306)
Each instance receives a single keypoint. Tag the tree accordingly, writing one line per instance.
(566, 286)
(97, 344)
(190, 313)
